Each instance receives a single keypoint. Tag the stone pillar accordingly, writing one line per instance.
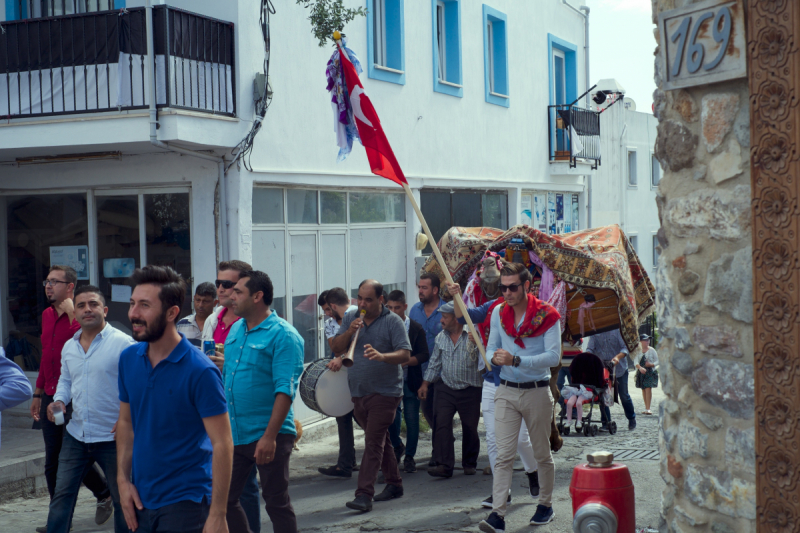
(704, 283)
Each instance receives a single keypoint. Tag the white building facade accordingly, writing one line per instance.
(625, 185)
(463, 90)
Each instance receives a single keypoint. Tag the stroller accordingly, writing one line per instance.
(596, 377)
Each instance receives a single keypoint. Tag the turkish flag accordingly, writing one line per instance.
(381, 157)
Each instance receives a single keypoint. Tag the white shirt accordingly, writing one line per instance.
(90, 381)
(332, 326)
(188, 326)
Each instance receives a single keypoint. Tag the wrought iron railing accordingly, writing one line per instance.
(574, 134)
(94, 62)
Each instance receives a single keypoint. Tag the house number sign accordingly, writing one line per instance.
(702, 43)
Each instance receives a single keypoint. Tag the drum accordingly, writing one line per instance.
(325, 391)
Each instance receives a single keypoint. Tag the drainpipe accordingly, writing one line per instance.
(223, 210)
(584, 12)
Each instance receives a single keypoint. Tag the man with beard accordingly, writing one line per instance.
(205, 300)
(524, 343)
(58, 326)
(216, 328)
(265, 360)
(89, 379)
(376, 386)
(426, 313)
(339, 304)
(173, 434)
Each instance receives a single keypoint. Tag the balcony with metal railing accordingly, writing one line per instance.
(574, 135)
(94, 61)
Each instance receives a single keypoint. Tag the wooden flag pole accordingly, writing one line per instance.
(457, 298)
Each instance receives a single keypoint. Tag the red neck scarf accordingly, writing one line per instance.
(539, 317)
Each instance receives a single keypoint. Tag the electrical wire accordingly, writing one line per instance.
(242, 151)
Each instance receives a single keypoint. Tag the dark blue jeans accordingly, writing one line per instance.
(409, 411)
(250, 504)
(181, 517)
(624, 398)
(75, 459)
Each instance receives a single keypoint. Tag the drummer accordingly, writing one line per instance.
(263, 366)
(376, 385)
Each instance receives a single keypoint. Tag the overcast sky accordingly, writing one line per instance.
(621, 46)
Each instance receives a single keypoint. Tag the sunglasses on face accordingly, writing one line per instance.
(514, 287)
(225, 283)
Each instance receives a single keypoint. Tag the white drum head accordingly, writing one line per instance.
(333, 393)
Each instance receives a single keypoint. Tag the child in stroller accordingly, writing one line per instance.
(590, 382)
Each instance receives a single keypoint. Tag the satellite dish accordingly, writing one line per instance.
(629, 104)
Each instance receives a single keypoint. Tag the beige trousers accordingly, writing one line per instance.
(511, 406)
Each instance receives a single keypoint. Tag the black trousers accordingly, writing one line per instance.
(428, 411)
(347, 444)
(274, 486)
(53, 438)
(467, 403)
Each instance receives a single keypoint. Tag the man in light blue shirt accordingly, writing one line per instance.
(426, 314)
(263, 363)
(89, 379)
(524, 343)
(14, 385)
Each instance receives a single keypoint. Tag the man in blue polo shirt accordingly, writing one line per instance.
(426, 313)
(173, 419)
(263, 363)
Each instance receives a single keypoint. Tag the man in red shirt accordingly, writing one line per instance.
(58, 326)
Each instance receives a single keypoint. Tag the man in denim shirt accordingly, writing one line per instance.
(263, 363)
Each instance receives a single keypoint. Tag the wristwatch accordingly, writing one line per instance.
(517, 360)
(37, 395)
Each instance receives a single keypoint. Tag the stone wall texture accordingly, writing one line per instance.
(704, 283)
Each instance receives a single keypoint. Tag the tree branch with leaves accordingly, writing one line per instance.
(327, 16)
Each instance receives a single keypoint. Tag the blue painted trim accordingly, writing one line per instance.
(571, 77)
(395, 42)
(13, 11)
(119, 4)
(452, 48)
(500, 49)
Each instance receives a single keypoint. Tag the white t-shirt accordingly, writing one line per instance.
(332, 327)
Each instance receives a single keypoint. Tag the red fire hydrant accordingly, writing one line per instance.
(602, 496)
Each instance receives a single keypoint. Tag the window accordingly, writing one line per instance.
(632, 181)
(634, 242)
(377, 207)
(445, 209)
(385, 33)
(656, 251)
(563, 86)
(447, 47)
(655, 171)
(495, 51)
(267, 206)
(301, 206)
(30, 9)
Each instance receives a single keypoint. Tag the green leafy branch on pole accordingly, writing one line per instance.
(327, 16)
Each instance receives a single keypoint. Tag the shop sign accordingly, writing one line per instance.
(703, 43)
(76, 257)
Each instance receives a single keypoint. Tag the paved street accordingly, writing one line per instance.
(428, 504)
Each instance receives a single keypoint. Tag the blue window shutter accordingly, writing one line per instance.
(497, 95)
(395, 42)
(452, 49)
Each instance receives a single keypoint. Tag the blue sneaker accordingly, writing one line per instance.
(544, 515)
(493, 524)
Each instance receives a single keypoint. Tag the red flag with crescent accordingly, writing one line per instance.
(379, 153)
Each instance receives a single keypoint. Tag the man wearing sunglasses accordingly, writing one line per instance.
(524, 343)
(59, 326)
(216, 329)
